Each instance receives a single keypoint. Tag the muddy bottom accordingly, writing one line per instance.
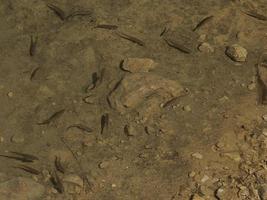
(131, 100)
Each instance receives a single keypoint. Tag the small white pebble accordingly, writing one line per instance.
(205, 178)
(192, 174)
(251, 86)
(187, 108)
(197, 156)
(264, 117)
(10, 94)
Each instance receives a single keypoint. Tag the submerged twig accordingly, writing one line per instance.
(28, 169)
(52, 117)
(58, 11)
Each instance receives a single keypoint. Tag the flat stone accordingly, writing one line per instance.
(138, 64)
(21, 189)
(237, 53)
(17, 138)
(144, 91)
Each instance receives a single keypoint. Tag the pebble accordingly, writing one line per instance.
(17, 138)
(202, 38)
(205, 179)
(219, 194)
(10, 94)
(264, 117)
(234, 156)
(192, 174)
(187, 108)
(135, 65)
(205, 47)
(89, 99)
(103, 164)
(251, 86)
(130, 130)
(2, 139)
(21, 189)
(237, 53)
(197, 156)
(220, 145)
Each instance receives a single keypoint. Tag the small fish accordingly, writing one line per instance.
(104, 122)
(57, 182)
(107, 26)
(52, 117)
(33, 45)
(116, 86)
(81, 127)
(58, 11)
(256, 15)
(58, 165)
(79, 13)
(178, 46)
(28, 156)
(130, 38)
(113, 89)
(202, 22)
(95, 79)
(164, 31)
(28, 169)
(22, 159)
(170, 102)
(34, 71)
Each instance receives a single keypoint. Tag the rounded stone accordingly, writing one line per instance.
(237, 53)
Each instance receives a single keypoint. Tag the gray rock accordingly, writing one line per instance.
(21, 189)
(237, 53)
